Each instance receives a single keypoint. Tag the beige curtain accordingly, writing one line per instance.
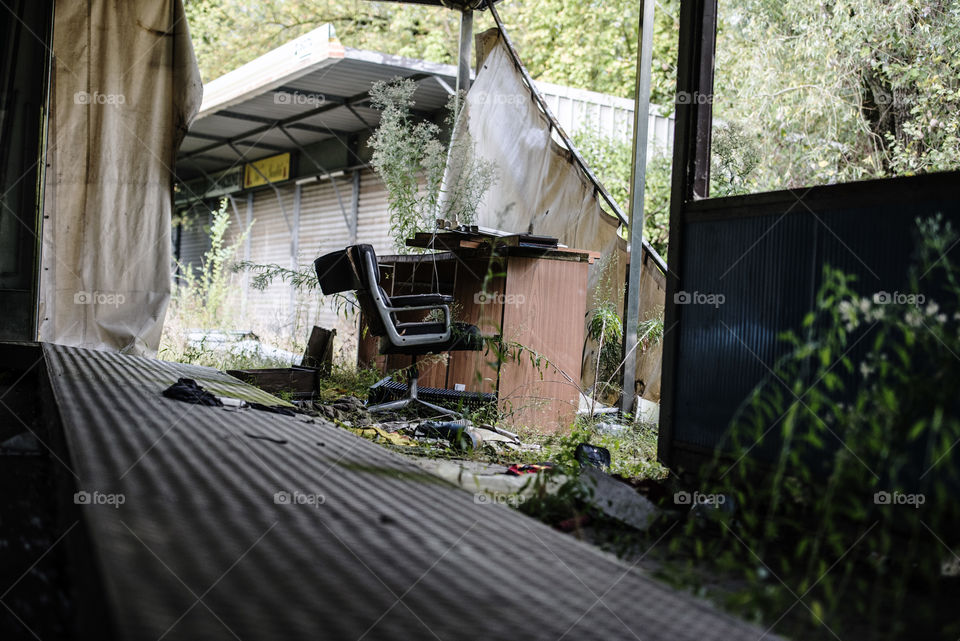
(125, 87)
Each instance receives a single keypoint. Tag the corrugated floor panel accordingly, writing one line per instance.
(201, 550)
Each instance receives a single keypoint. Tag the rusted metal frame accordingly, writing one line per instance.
(698, 27)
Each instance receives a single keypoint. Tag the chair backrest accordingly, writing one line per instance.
(348, 269)
(336, 272)
(363, 257)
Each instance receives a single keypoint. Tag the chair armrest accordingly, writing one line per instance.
(420, 300)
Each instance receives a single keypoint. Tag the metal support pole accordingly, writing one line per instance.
(247, 230)
(466, 42)
(642, 118)
(354, 221)
(295, 253)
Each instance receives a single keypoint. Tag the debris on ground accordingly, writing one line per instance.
(24, 444)
(529, 468)
(592, 456)
(440, 446)
(459, 435)
(618, 500)
(189, 391)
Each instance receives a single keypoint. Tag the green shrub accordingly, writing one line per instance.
(860, 414)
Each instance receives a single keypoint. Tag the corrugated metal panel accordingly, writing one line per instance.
(374, 225)
(270, 244)
(768, 267)
(194, 240)
(201, 549)
(767, 288)
(608, 116)
(323, 229)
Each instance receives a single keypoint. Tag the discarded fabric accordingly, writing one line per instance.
(187, 390)
(529, 468)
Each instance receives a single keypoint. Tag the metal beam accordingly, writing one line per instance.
(466, 41)
(260, 145)
(236, 115)
(698, 27)
(285, 121)
(336, 133)
(355, 208)
(631, 312)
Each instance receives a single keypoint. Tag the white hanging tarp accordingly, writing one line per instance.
(125, 86)
(540, 189)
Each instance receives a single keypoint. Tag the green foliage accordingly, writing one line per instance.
(826, 92)
(554, 505)
(593, 45)
(633, 452)
(204, 295)
(734, 159)
(650, 329)
(590, 45)
(611, 161)
(204, 299)
(347, 380)
(229, 33)
(410, 158)
(863, 403)
(404, 150)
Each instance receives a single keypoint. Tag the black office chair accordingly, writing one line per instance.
(355, 268)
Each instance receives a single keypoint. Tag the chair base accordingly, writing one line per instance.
(411, 399)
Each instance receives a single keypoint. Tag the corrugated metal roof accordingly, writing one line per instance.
(322, 89)
(201, 549)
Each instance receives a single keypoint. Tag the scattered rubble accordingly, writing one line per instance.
(618, 500)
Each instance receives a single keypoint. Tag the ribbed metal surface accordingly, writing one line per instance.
(769, 269)
(200, 550)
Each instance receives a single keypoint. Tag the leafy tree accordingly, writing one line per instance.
(611, 161)
(836, 90)
(589, 45)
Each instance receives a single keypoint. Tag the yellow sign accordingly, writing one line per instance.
(267, 170)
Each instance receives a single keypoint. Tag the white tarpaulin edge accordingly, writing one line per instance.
(540, 189)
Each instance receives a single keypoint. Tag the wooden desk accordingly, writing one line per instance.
(538, 298)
